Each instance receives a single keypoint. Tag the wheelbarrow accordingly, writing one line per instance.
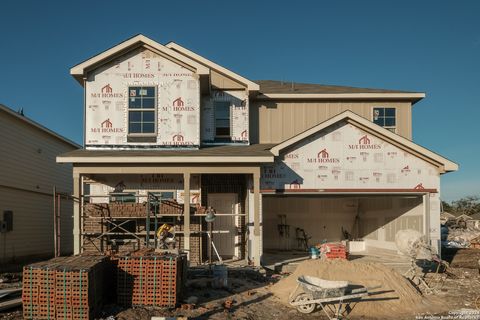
(331, 296)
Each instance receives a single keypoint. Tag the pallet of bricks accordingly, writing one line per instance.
(333, 251)
(146, 278)
(65, 288)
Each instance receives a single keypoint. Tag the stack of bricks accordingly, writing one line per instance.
(150, 279)
(333, 251)
(65, 288)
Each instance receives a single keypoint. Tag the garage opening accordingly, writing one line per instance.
(294, 222)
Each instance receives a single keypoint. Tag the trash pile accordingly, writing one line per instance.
(458, 234)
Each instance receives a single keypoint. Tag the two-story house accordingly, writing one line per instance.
(272, 158)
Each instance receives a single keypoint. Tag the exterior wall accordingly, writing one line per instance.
(28, 173)
(277, 121)
(346, 157)
(178, 101)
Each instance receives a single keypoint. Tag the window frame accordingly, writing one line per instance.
(222, 138)
(390, 128)
(154, 109)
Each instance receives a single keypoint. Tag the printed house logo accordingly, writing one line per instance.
(364, 140)
(107, 89)
(106, 92)
(106, 124)
(406, 170)
(178, 138)
(419, 187)
(364, 143)
(323, 157)
(295, 184)
(178, 102)
(323, 154)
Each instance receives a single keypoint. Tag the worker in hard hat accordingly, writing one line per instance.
(166, 236)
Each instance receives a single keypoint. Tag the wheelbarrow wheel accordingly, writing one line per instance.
(307, 307)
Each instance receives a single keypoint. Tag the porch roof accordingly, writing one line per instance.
(256, 153)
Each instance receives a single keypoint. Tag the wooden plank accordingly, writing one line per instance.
(9, 304)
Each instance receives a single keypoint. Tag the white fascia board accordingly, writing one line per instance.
(79, 69)
(175, 159)
(326, 96)
(252, 86)
(446, 165)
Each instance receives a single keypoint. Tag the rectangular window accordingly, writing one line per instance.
(142, 104)
(385, 117)
(222, 120)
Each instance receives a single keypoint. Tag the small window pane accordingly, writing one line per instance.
(135, 116)
(134, 92)
(378, 112)
(378, 121)
(148, 116)
(390, 112)
(389, 122)
(149, 92)
(148, 103)
(135, 127)
(148, 128)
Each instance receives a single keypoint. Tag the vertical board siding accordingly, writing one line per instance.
(278, 121)
(28, 173)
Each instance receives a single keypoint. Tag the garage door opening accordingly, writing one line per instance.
(373, 220)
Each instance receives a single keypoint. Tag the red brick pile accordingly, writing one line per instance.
(150, 279)
(333, 251)
(65, 288)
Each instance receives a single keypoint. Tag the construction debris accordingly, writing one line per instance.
(333, 251)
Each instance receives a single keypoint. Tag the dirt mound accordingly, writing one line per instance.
(398, 295)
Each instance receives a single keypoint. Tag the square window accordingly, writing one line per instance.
(385, 117)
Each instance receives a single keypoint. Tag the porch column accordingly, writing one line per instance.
(76, 214)
(186, 213)
(256, 217)
(426, 215)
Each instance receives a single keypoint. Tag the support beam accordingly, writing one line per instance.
(426, 215)
(76, 214)
(256, 217)
(186, 213)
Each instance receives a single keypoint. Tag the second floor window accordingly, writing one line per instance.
(222, 120)
(385, 117)
(142, 105)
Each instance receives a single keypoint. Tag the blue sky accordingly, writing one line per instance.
(428, 46)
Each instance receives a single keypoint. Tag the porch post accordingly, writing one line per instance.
(186, 213)
(256, 217)
(426, 215)
(76, 214)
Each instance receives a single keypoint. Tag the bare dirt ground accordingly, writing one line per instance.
(249, 297)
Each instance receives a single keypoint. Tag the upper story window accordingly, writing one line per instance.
(222, 121)
(385, 117)
(142, 106)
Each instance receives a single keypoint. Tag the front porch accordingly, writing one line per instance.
(126, 220)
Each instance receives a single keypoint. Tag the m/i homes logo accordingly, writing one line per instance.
(106, 126)
(323, 157)
(364, 143)
(106, 92)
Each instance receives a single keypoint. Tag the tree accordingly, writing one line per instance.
(467, 205)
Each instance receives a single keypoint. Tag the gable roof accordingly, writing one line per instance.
(37, 125)
(272, 89)
(79, 71)
(444, 164)
(252, 86)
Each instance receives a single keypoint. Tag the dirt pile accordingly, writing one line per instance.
(398, 296)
